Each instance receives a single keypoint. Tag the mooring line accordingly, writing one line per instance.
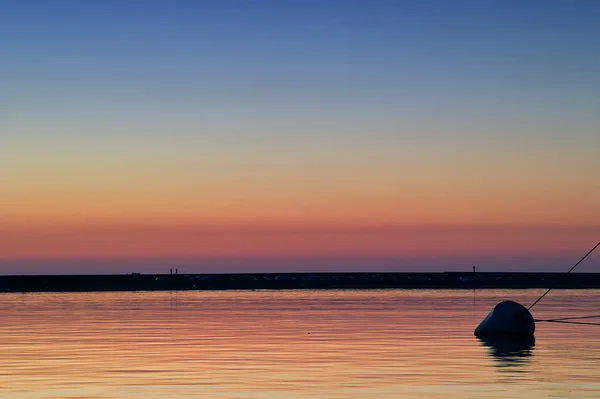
(569, 318)
(570, 270)
(571, 322)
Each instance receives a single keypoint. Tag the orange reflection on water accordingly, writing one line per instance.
(288, 344)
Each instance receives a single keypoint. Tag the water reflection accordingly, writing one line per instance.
(509, 352)
(379, 344)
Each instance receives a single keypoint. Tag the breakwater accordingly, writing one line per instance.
(161, 282)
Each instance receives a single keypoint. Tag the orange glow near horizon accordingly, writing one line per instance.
(281, 213)
(272, 241)
(354, 195)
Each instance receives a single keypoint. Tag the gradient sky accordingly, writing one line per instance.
(297, 135)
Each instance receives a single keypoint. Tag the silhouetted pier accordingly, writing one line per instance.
(278, 281)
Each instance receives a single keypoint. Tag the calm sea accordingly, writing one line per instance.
(291, 344)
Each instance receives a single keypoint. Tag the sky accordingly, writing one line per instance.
(298, 135)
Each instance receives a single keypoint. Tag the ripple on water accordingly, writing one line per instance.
(290, 344)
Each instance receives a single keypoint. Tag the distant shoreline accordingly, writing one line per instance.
(278, 281)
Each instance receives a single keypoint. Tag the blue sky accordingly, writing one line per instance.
(371, 111)
(490, 55)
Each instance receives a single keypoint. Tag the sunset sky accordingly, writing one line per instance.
(298, 135)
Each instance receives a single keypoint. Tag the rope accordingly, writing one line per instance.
(570, 270)
(571, 322)
(569, 318)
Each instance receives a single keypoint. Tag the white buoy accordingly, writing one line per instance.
(508, 318)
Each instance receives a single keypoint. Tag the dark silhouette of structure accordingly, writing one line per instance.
(339, 280)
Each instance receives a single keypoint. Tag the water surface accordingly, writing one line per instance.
(291, 344)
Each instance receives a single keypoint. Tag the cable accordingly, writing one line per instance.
(566, 318)
(570, 270)
(571, 322)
